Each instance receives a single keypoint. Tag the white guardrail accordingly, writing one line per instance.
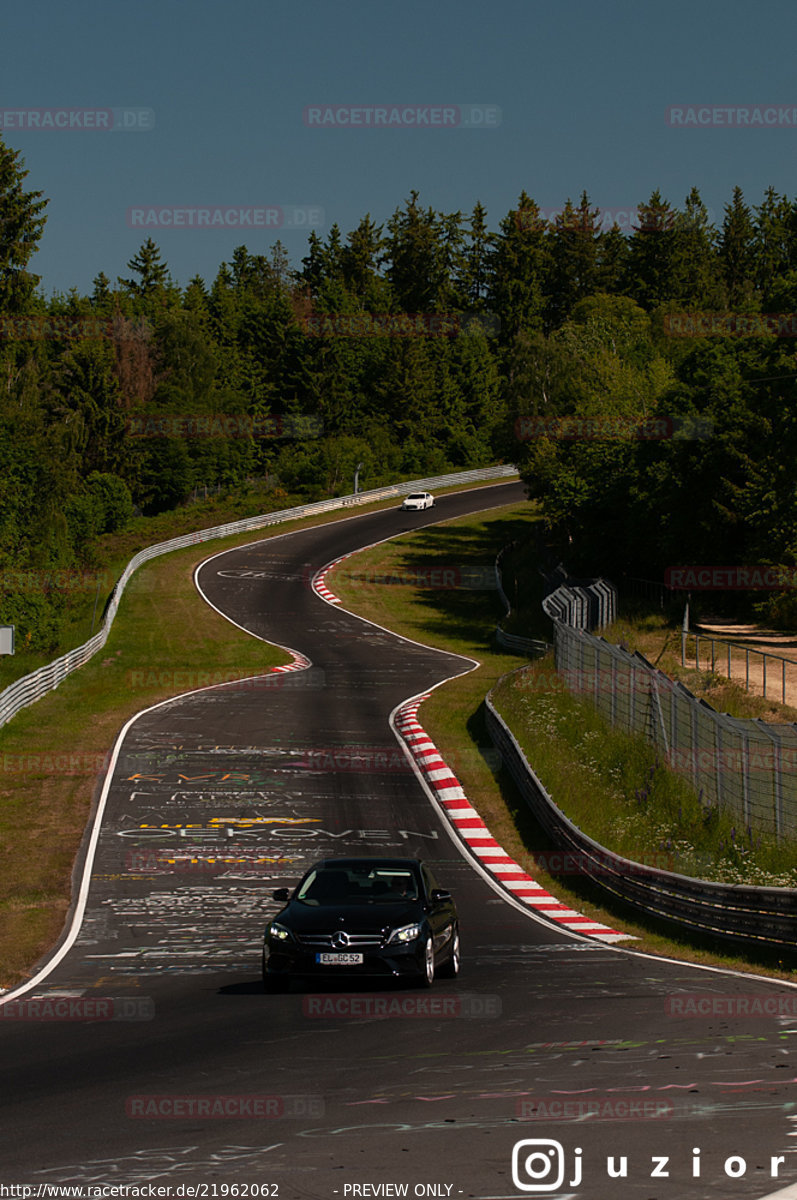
(30, 688)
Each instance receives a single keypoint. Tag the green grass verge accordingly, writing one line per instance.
(616, 789)
(463, 621)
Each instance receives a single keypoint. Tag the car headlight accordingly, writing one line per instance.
(279, 932)
(407, 933)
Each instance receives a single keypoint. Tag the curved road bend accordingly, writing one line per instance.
(219, 796)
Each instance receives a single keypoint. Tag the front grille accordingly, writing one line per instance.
(356, 941)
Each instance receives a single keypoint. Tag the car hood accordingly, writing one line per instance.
(357, 918)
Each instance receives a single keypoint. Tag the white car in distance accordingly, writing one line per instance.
(416, 501)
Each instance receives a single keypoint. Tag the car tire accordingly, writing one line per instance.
(450, 969)
(274, 984)
(426, 977)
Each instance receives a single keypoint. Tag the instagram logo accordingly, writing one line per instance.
(538, 1165)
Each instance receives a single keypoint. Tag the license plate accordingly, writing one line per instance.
(339, 960)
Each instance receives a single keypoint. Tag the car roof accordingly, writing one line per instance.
(366, 862)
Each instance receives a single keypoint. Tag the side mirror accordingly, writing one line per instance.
(440, 896)
(281, 894)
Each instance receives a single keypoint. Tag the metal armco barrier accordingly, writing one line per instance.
(31, 688)
(534, 647)
(765, 916)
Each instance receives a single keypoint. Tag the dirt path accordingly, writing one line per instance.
(781, 679)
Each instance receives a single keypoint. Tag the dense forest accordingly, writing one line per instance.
(649, 434)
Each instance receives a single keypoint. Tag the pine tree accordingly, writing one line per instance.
(152, 273)
(360, 259)
(21, 226)
(737, 254)
(611, 262)
(573, 242)
(519, 263)
(775, 243)
(474, 276)
(651, 265)
(696, 280)
(102, 290)
(420, 252)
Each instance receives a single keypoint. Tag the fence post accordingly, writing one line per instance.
(746, 781)
(613, 705)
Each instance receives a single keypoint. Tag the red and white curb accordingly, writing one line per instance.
(318, 585)
(300, 663)
(477, 837)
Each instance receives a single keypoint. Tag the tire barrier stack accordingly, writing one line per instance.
(582, 604)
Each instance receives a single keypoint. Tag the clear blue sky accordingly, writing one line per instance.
(583, 88)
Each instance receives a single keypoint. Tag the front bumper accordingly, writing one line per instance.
(386, 962)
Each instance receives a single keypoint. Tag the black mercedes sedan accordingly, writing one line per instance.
(379, 917)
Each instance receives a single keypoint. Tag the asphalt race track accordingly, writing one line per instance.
(220, 796)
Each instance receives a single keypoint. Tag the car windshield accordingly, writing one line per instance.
(417, 496)
(352, 886)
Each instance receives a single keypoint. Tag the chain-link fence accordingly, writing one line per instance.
(746, 767)
(762, 916)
